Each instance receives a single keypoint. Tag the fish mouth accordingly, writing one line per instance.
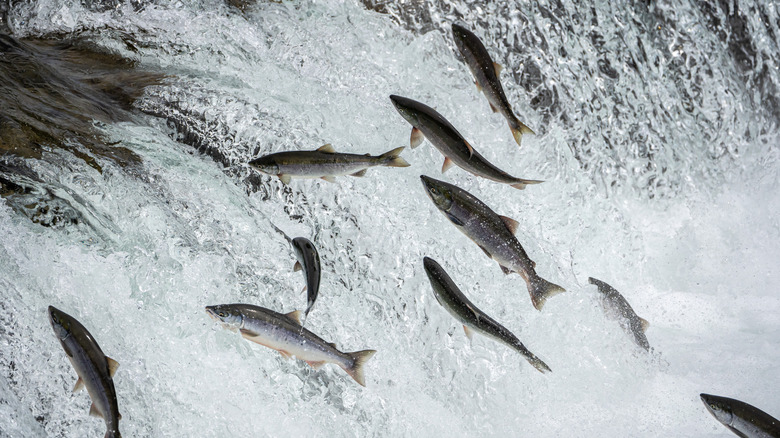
(212, 313)
(400, 102)
(427, 181)
(429, 264)
(458, 29)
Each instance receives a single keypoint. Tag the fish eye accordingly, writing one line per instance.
(434, 190)
(222, 314)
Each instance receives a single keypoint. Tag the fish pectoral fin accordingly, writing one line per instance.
(416, 138)
(453, 219)
(497, 67)
(112, 366)
(643, 322)
(469, 332)
(248, 334)
(94, 411)
(485, 251)
(494, 109)
(510, 223)
(316, 364)
(327, 148)
(305, 288)
(285, 354)
(329, 178)
(78, 386)
(294, 316)
(506, 270)
(447, 164)
(284, 178)
(479, 88)
(297, 267)
(471, 149)
(361, 173)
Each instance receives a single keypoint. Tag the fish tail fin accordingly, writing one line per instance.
(359, 358)
(541, 289)
(521, 183)
(392, 159)
(536, 362)
(518, 129)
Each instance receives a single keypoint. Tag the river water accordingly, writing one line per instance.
(127, 202)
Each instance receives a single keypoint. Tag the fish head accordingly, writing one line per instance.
(406, 107)
(229, 316)
(719, 407)
(266, 164)
(302, 245)
(60, 322)
(438, 191)
(460, 34)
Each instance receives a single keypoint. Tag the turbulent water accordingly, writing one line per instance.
(125, 129)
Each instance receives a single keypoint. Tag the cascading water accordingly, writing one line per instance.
(126, 202)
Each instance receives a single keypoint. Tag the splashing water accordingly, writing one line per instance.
(656, 134)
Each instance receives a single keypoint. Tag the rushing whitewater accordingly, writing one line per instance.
(125, 133)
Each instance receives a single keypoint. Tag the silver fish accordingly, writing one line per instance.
(486, 73)
(324, 163)
(494, 234)
(617, 306)
(284, 334)
(95, 369)
(453, 300)
(741, 418)
(309, 262)
(427, 123)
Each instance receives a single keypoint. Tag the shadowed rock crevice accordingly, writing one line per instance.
(53, 94)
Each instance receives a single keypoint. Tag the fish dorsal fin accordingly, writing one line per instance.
(497, 67)
(328, 148)
(447, 164)
(416, 138)
(333, 345)
(297, 267)
(112, 366)
(511, 224)
(643, 322)
(469, 332)
(94, 411)
(284, 178)
(294, 316)
(78, 386)
(329, 178)
(361, 173)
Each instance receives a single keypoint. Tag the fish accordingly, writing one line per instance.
(494, 234)
(616, 306)
(285, 334)
(324, 163)
(309, 263)
(429, 124)
(455, 302)
(741, 418)
(94, 368)
(486, 78)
